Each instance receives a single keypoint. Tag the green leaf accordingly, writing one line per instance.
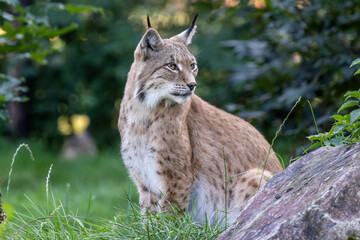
(25, 99)
(73, 9)
(355, 133)
(357, 72)
(39, 56)
(7, 16)
(12, 2)
(348, 104)
(339, 128)
(314, 137)
(81, 224)
(355, 94)
(53, 33)
(317, 144)
(4, 115)
(331, 132)
(355, 62)
(338, 118)
(354, 115)
(337, 141)
(327, 143)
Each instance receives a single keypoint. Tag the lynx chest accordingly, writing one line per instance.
(138, 152)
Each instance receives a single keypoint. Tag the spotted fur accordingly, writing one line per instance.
(176, 146)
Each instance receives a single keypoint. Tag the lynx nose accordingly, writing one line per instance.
(191, 85)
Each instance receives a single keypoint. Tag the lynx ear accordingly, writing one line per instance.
(186, 36)
(150, 42)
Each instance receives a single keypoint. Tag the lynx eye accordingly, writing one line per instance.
(193, 66)
(172, 66)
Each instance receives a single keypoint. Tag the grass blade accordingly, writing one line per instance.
(12, 164)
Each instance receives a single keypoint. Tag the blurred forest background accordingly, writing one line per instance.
(255, 58)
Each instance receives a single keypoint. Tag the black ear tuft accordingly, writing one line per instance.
(186, 36)
(148, 21)
(192, 25)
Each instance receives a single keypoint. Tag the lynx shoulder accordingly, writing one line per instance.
(176, 146)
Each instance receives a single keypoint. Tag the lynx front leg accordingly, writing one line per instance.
(179, 181)
(148, 200)
(164, 178)
(175, 195)
(174, 186)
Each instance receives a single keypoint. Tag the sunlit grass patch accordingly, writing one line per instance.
(54, 222)
(72, 200)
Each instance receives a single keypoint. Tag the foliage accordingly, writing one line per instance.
(89, 76)
(356, 62)
(254, 61)
(27, 34)
(289, 49)
(345, 129)
(10, 87)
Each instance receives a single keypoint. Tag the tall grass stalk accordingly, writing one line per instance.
(277, 132)
(263, 165)
(47, 183)
(12, 164)
(281, 160)
(129, 201)
(67, 196)
(225, 182)
(89, 204)
(312, 112)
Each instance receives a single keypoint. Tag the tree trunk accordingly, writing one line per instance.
(19, 111)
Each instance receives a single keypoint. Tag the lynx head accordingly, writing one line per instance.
(165, 68)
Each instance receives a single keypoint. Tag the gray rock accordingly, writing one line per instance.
(317, 197)
(79, 145)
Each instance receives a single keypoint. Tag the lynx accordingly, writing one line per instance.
(176, 146)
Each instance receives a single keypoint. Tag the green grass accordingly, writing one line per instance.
(56, 223)
(101, 181)
(86, 198)
(105, 177)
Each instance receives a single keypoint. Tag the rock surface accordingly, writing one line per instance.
(79, 145)
(317, 197)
